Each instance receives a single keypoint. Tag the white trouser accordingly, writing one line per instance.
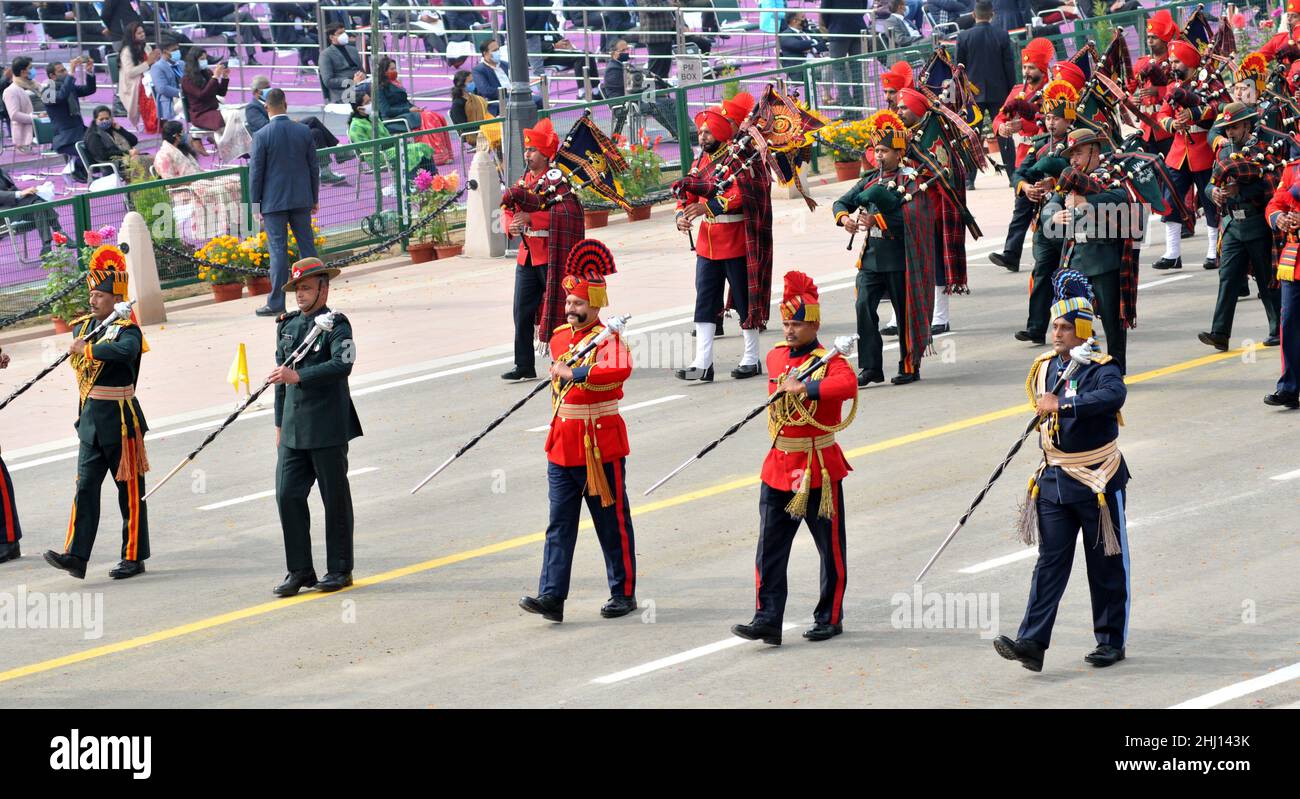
(1173, 240)
(940, 306)
(703, 345)
(750, 358)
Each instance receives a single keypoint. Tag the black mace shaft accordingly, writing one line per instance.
(57, 361)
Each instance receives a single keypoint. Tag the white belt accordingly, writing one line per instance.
(537, 234)
(723, 218)
(1238, 214)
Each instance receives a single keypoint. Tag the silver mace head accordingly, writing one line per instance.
(844, 345)
(618, 323)
(325, 324)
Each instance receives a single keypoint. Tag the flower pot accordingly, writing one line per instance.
(60, 326)
(848, 170)
(225, 292)
(639, 213)
(595, 218)
(448, 250)
(258, 286)
(421, 251)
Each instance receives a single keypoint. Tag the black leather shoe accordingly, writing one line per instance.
(702, 375)
(334, 581)
(127, 568)
(1220, 343)
(1210, 263)
(742, 372)
(1168, 263)
(823, 632)
(267, 310)
(618, 606)
(1004, 261)
(518, 374)
(69, 563)
(866, 378)
(903, 378)
(1029, 653)
(1105, 655)
(1272, 341)
(1031, 337)
(767, 633)
(892, 330)
(1276, 399)
(549, 607)
(295, 582)
(1244, 291)
(10, 552)
(719, 331)
(937, 329)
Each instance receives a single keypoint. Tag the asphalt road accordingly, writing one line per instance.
(432, 621)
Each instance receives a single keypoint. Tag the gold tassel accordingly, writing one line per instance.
(1027, 528)
(798, 506)
(597, 485)
(1109, 541)
(826, 508)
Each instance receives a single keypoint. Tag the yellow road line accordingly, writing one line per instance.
(1020, 409)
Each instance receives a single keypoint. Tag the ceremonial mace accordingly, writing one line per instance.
(843, 345)
(321, 324)
(615, 325)
(120, 311)
(1078, 355)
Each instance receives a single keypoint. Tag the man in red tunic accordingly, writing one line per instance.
(543, 210)
(10, 531)
(1149, 84)
(587, 447)
(1019, 118)
(803, 471)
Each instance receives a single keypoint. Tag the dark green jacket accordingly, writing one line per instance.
(887, 251)
(1242, 216)
(1094, 255)
(118, 349)
(317, 411)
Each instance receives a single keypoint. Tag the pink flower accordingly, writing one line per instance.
(423, 180)
(108, 233)
(92, 238)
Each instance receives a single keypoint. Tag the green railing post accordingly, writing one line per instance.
(685, 156)
(810, 97)
(81, 221)
(246, 198)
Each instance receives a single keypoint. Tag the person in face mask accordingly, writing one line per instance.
(340, 64)
(107, 141)
(391, 98)
(213, 202)
(418, 154)
(166, 74)
(22, 100)
(256, 118)
(203, 85)
(466, 106)
(62, 96)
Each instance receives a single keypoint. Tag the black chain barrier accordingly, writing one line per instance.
(360, 255)
(45, 304)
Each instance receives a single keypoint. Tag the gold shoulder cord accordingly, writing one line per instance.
(790, 410)
(87, 369)
(558, 394)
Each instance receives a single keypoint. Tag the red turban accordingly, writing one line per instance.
(1162, 26)
(914, 101)
(1038, 52)
(589, 262)
(543, 138)
(1071, 73)
(1186, 53)
(799, 302)
(899, 76)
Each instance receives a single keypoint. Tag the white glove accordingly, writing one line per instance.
(122, 310)
(844, 344)
(325, 321)
(1083, 353)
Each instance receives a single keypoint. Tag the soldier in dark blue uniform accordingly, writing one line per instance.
(1079, 485)
(314, 421)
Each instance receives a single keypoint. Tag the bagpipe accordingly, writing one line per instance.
(1250, 167)
(888, 196)
(1144, 177)
(552, 187)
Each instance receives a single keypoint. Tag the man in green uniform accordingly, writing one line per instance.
(1242, 187)
(1090, 215)
(110, 425)
(314, 421)
(1035, 179)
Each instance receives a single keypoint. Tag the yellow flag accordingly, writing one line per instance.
(239, 370)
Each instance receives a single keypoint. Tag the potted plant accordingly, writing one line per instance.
(847, 142)
(643, 175)
(432, 240)
(593, 215)
(225, 251)
(253, 253)
(60, 264)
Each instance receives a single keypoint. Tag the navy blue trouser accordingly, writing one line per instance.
(1287, 384)
(1183, 179)
(711, 279)
(1058, 529)
(278, 224)
(10, 530)
(567, 485)
(775, 538)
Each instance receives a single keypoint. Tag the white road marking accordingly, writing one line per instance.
(1163, 281)
(681, 657)
(1286, 475)
(634, 406)
(264, 494)
(993, 563)
(1240, 689)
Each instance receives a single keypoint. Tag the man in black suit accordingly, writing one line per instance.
(986, 53)
(846, 40)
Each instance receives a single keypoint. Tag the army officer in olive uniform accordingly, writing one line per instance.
(314, 421)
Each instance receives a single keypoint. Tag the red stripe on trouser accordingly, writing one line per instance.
(758, 587)
(72, 526)
(839, 555)
(133, 523)
(8, 503)
(619, 497)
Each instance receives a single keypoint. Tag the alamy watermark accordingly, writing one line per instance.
(39, 610)
(935, 611)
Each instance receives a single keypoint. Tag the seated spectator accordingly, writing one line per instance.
(22, 98)
(166, 73)
(946, 12)
(618, 74)
(459, 22)
(214, 202)
(492, 77)
(256, 118)
(361, 129)
(897, 28)
(13, 197)
(62, 97)
(203, 87)
(799, 41)
(466, 106)
(293, 24)
(109, 142)
(135, 57)
(561, 54)
(340, 64)
(391, 98)
(249, 29)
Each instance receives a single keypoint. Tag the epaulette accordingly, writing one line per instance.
(565, 326)
(781, 344)
(124, 323)
(818, 353)
(1045, 356)
(1101, 357)
(79, 320)
(286, 316)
